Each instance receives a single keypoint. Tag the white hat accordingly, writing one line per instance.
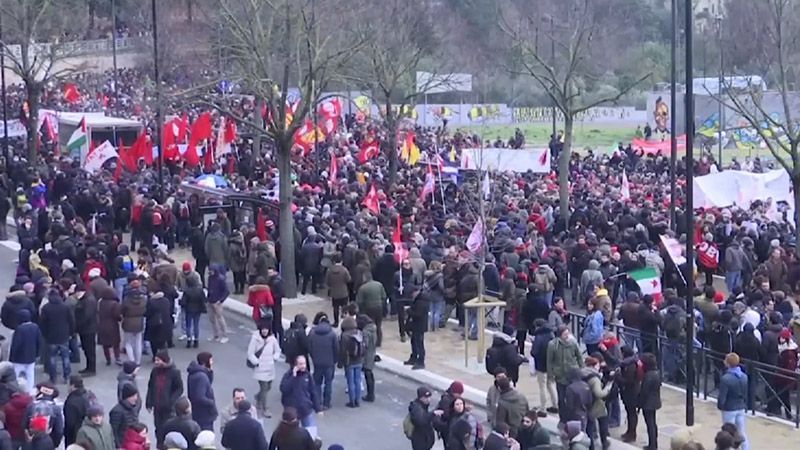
(94, 273)
(205, 439)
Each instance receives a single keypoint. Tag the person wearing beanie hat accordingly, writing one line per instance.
(206, 440)
(127, 376)
(164, 388)
(423, 436)
(125, 413)
(96, 431)
(244, 432)
(175, 441)
(57, 323)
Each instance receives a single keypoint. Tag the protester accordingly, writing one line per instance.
(299, 392)
(289, 434)
(164, 388)
(200, 391)
(650, 398)
(369, 334)
(422, 435)
(76, 407)
(182, 424)
(262, 352)
(733, 395)
(125, 414)
(323, 347)
(95, 430)
(25, 348)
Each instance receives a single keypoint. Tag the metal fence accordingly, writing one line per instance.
(772, 390)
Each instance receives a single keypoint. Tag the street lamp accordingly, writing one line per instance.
(114, 49)
(3, 95)
(157, 131)
(549, 18)
(721, 110)
(673, 143)
(689, 213)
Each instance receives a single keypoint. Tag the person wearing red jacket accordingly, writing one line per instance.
(708, 258)
(259, 296)
(136, 438)
(15, 416)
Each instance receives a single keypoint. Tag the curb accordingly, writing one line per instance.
(477, 397)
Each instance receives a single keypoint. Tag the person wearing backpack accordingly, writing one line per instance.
(503, 352)
(351, 357)
(418, 424)
(123, 265)
(45, 405)
(418, 326)
(295, 342)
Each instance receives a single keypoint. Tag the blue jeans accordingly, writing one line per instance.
(733, 280)
(192, 325)
(324, 375)
(309, 422)
(472, 320)
(119, 286)
(437, 309)
(353, 375)
(56, 351)
(737, 418)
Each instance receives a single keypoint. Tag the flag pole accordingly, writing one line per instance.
(441, 188)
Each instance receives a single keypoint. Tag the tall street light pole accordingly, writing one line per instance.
(157, 131)
(721, 111)
(553, 64)
(3, 95)
(114, 48)
(689, 213)
(673, 143)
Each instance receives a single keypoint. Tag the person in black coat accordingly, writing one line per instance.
(418, 326)
(181, 423)
(310, 261)
(504, 349)
(746, 344)
(650, 398)
(193, 304)
(245, 433)
(26, 343)
(75, 408)
(385, 268)
(629, 388)
(423, 436)
(125, 413)
(15, 302)
(57, 324)
(200, 392)
(86, 326)
(649, 321)
(164, 389)
(158, 315)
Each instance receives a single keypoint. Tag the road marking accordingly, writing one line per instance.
(12, 245)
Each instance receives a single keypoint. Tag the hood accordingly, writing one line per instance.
(543, 330)
(20, 401)
(122, 250)
(132, 435)
(24, 315)
(594, 265)
(125, 377)
(363, 321)
(502, 339)
(216, 268)
(7, 373)
(194, 368)
(323, 328)
(348, 324)
(512, 397)
(16, 297)
(414, 253)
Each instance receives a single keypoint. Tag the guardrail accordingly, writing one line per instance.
(771, 389)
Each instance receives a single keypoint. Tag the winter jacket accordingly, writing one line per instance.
(359, 274)
(57, 321)
(132, 440)
(599, 392)
(200, 393)
(418, 265)
(184, 425)
(405, 281)
(541, 340)
(158, 313)
(371, 296)
(164, 388)
(269, 352)
(593, 328)
(299, 392)
(17, 301)
(26, 342)
(216, 249)
(310, 257)
(591, 277)
(86, 314)
(245, 433)
(370, 334)
(217, 285)
(259, 297)
(121, 417)
(291, 436)
(733, 389)
(650, 393)
(434, 286)
(423, 436)
(530, 438)
(418, 313)
(561, 358)
(578, 399)
(194, 300)
(75, 408)
(511, 407)
(100, 437)
(323, 345)
(384, 270)
(39, 441)
(15, 411)
(505, 352)
(109, 315)
(351, 336)
(237, 253)
(337, 279)
(133, 310)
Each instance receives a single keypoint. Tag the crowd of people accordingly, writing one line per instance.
(75, 263)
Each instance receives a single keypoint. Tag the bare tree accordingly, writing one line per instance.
(773, 114)
(35, 40)
(578, 45)
(271, 45)
(401, 38)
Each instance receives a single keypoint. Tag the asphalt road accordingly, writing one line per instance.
(373, 426)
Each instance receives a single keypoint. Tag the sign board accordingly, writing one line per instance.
(536, 160)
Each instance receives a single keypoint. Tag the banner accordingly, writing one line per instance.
(655, 147)
(536, 160)
(733, 187)
(98, 156)
(15, 129)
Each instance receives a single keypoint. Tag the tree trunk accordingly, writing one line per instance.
(563, 171)
(796, 189)
(286, 222)
(391, 142)
(189, 8)
(32, 93)
(258, 132)
(92, 13)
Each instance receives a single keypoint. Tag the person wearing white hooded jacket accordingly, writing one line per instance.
(262, 352)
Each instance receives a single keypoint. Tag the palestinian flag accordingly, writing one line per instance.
(78, 144)
(648, 282)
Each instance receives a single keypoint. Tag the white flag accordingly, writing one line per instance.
(475, 240)
(626, 187)
(487, 186)
(98, 156)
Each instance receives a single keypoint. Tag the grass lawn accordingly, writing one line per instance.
(602, 137)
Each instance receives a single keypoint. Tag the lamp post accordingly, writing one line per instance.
(157, 131)
(689, 213)
(721, 110)
(3, 95)
(114, 48)
(673, 143)
(553, 64)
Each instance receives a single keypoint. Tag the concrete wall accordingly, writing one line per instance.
(87, 63)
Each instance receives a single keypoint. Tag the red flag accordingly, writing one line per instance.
(118, 170)
(231, 164)
(168, 145)
(208, 158)
(191, 157)
(201, 130)
(543, 158)
(331, 108)
(142, 149)
(371, 201)
(183, 128)
(126, 157)
(400, 253)
(71, 93)
(261, 226)
(230, 131)
(370, 148)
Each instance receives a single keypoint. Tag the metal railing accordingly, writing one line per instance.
(771, 389)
